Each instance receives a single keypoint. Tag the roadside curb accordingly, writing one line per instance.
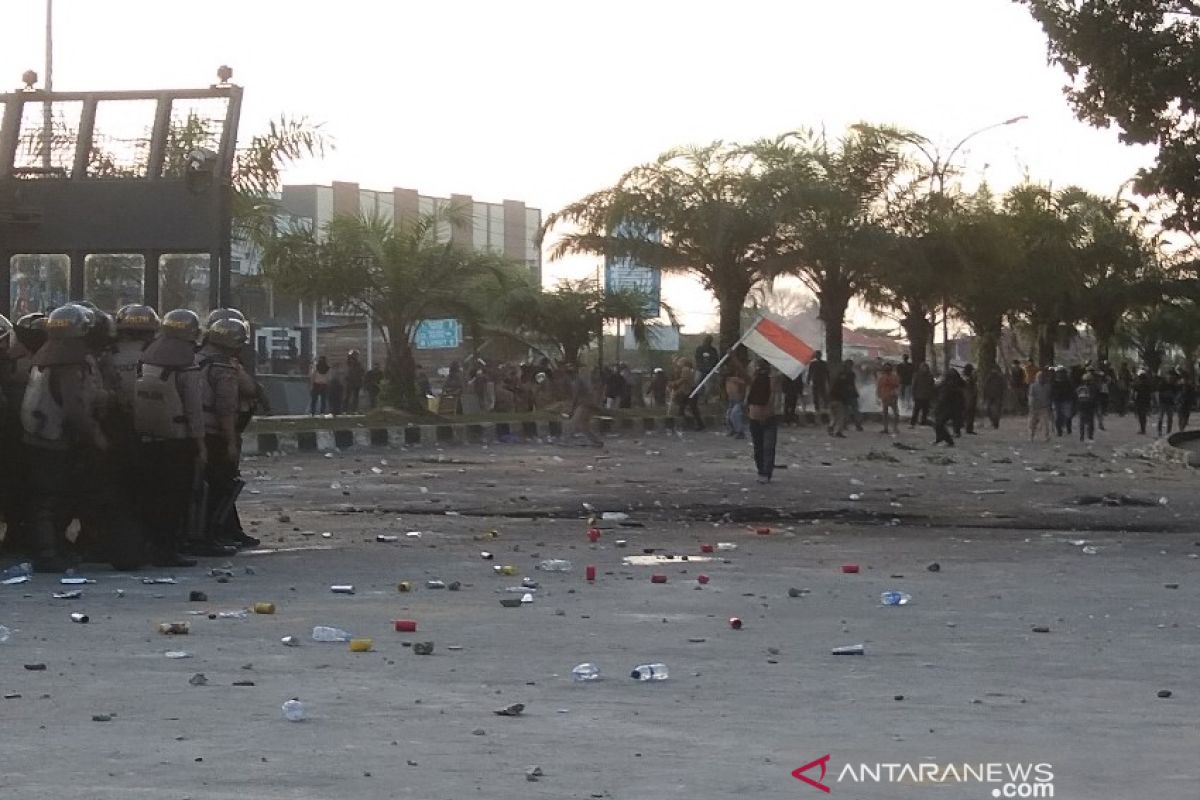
(347, 438)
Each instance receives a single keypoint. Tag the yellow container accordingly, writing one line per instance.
(405, 586)
(264, 608)
(362, 645)
(508, 569)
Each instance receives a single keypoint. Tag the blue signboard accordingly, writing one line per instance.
(625, 274)
(438, 334)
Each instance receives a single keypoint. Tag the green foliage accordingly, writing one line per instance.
(398, 274)
(1133, 63)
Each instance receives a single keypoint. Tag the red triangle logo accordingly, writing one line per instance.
(821, 762)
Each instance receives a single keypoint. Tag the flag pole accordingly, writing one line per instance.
(724, 358)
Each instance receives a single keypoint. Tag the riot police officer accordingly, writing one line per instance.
(168, 415)
(59, 422)
(28, 335)
(219, 368)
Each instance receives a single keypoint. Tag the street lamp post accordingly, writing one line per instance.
(938, 168)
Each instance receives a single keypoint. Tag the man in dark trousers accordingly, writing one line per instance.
(905, 372)
(818, 379)
(760, 407)
(1019, 385)
(993, 396)
(970, 391)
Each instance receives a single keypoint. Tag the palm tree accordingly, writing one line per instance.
(831, 202)
(693, 210)
(398, 274)
(569, 317)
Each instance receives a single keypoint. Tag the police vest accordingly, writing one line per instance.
(125, 364)
(208, 364)
(42, 414)
(157, 405)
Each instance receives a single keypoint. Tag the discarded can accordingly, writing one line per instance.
(82, 619)
(413, 534)
(735, 623)
(435, 584)
(290, 641)
(362, 645)
(593, 535)
(384, 538)
(850, 569)
(342, 588)
(174, 628)
(658, 578)
(406, 625)
(701, 579)
(505, 569)
(706, 548)
(590, 572)
(763, 531)
(486, 556)
(264, 608)
(404, 586)
(850, 650)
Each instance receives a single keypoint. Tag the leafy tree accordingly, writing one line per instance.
(831, 203)
(569, 317)
(1134, 63)
(399, 274)
(705, 217)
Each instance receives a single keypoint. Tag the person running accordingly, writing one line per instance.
(1041, 406)
(817, 377)
(1062, 395)
(760, 406)
(842, 395)
(970, 390)
(922, 396)
(905, 372)
(1187, 399)
(993, 396)
(735, 411)
(1143, 395)
(888, 388)
(1086, 403)
(583, 407)
(949, 407)
(1019, 386)
(1168, 396)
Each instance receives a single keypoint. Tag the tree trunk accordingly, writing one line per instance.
(1044, 342)
(832, 311)
(730, 302)
(916, 328)
(401, 388)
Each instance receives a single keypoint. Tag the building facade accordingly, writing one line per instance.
(508, 228)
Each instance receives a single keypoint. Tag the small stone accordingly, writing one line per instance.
(1041, 628)
(243, 683)
(101, 717)
(12, 696)
(199, 679)
(1171, 585)
(411, 763)
(1164, 693)
(423, 648)
(898, 698)
(773, 651)
(514, 710)
(479, 732)
(197, 597)
(533, 773)
(36, 667)
(934, 567)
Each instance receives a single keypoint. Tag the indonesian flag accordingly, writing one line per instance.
(786, 351)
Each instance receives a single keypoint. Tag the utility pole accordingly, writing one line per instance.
(47, 110)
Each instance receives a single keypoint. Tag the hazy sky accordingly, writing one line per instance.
(545, 101)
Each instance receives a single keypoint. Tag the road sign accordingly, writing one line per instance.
(438, 334)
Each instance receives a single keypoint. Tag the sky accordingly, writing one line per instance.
(546, 101)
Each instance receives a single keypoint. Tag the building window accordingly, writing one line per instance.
(496, 228)
(112, 280)
(38, 283)
(479, 226)
(183, 282)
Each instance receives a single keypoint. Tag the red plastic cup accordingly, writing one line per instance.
(702, 579)
(593, 535)
(706, 548)
(763, 531)
(735, 623)
(406, 625)
(658, 578)
(591, 572)
(849, 569)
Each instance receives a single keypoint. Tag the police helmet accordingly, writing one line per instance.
(182, 323)
(31, 330)
(137, 318)
(228, 333)
(68, 322)
(103, 330)
(223, 313)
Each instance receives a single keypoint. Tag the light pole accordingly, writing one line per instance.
(938, 168)
(48, 84)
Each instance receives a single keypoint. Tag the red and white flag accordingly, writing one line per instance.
(786, 351)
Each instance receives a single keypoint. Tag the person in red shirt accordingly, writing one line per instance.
(887, 389)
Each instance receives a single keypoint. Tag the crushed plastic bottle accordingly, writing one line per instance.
(555, 565)
(894, 598)
(324, 633)
(17, 573)
(239, 613)
(293, 710)
(5, 634)
(585, 672)
(650, 672)
(726, 546)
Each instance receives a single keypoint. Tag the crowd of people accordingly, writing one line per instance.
(340, 388)
(122, 435)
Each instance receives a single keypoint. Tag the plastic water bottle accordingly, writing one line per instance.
(585, 672)
(555, 565)
(293, 710)
(726, 546)
(894, 598)
(17, 573)
(324, 633)
(5, 634)
(650, 672)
